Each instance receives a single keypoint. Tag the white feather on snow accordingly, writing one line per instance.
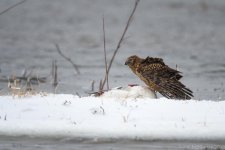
(61, 115)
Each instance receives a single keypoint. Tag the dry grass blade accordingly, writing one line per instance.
(106, 67)
(67, 58)
(11, 7)
(119, 43)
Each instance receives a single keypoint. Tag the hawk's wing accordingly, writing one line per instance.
(163, 79)
(158, 65)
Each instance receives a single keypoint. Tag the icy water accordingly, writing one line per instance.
(68, 144)
(189, 34)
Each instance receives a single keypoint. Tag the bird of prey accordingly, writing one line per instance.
(159, 77)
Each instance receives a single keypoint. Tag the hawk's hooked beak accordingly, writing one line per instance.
(127, 62)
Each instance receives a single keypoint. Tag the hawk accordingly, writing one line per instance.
(159, 77)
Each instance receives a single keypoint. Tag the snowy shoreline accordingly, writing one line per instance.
(137, 118)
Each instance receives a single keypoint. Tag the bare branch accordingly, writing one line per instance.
(67, 58)
(120, 41)
(11, 7)
(106, 67)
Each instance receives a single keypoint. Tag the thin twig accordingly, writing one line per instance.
(54, 74)
(103, 110)
(106, 67)
(120, 41)
(67, 58)
(38, 82)
(78, 94)
(92, 85)
(11, 7)
(100, 86)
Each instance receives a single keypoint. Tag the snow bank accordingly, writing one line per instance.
(64, 115)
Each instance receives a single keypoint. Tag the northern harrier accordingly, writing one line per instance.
(159, 77)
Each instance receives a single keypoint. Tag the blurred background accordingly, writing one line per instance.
(189, 34)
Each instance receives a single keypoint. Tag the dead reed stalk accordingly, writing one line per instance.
(106, 66)
(119, 44)
(92, 85)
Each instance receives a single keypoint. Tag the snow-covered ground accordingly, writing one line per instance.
(130, 116)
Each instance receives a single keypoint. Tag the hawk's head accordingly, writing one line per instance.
(132, 60)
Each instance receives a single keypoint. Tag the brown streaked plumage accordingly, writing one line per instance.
(159, 77)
